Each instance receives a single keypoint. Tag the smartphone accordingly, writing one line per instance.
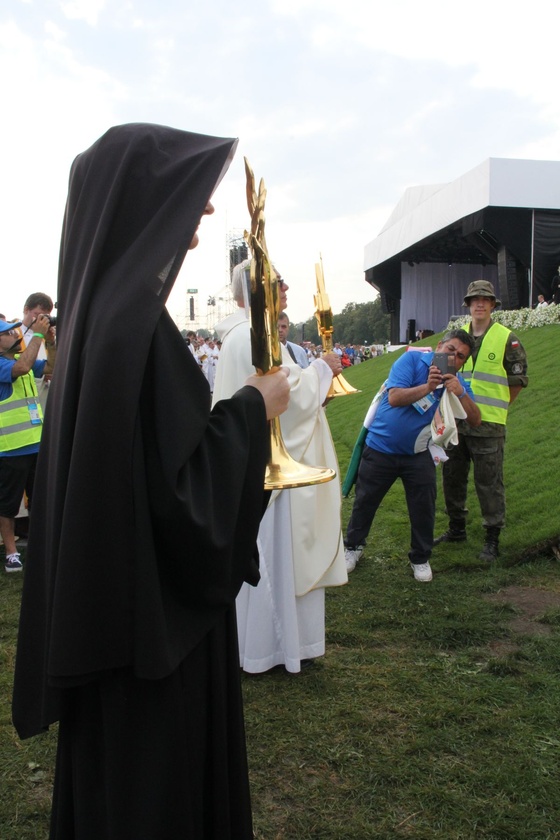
(441, 361)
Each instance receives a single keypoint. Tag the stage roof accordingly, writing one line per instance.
(426, 225)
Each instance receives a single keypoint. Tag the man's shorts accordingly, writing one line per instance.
(17, 473)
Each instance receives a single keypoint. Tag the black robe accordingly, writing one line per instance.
(146, 510)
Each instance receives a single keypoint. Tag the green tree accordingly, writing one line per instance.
(358, 323)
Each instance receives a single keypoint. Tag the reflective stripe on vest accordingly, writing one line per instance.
(16, 428)
(488, 378)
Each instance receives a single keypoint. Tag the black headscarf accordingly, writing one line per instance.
(146, 507)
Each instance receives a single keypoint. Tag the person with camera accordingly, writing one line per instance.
(497, 370)
(21, 422)
(37, 304)
(397, 443)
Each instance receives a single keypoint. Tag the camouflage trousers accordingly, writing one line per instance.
(487, 457)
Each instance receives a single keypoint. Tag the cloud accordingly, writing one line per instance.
(338, 107)
(57, 107)
(86, 10)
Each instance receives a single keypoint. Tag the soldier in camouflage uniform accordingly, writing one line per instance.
(497, 371)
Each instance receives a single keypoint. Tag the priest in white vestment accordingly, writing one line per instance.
(282, 620)
(213, 356)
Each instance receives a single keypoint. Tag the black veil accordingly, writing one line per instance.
(146, 506)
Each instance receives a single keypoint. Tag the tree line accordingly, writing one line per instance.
(358, 323)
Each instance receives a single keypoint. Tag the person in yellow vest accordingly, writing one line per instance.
(497, 371)
(21, 422)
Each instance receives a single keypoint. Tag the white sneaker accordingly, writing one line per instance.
(352, 555)
(13, 563)
(422, 572)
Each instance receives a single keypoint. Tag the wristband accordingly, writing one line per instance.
(38, 335)
(464, 394)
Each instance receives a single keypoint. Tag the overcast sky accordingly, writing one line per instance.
(339, 106)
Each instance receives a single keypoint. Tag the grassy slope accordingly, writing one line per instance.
(428, 718)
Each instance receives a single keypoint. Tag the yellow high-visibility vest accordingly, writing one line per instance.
(488, 377)
(21, 416)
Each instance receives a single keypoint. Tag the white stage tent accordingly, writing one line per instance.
(498, 222)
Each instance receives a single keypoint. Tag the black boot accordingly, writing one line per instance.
(490, 550)
(455, 533)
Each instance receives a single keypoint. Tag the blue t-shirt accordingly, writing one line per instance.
(403, 430)
(6, 382)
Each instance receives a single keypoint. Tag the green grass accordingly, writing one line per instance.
(429, 717)
(26, 767)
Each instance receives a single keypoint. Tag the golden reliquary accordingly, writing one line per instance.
(282, 470)
(323, 313)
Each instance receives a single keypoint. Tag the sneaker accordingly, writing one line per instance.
(422, 572)
(452, 535)
(13, 563)
(352, 555)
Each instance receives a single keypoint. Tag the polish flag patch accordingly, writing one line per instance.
(515, 344)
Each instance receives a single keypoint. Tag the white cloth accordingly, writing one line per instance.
(374, 405)
(299, 354)
(274, 626)
(281, 621)
(444, 428)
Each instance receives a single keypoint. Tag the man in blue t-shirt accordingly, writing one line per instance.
(20, 422)
(397, 447)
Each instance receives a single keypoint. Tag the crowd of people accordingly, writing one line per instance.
(159, 448)
(206, 350)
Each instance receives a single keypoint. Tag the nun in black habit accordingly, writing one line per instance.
(145, 516)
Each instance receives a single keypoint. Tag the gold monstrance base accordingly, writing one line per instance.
(340, 387)
(283, 472)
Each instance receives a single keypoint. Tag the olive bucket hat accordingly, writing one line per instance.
(481, 288)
